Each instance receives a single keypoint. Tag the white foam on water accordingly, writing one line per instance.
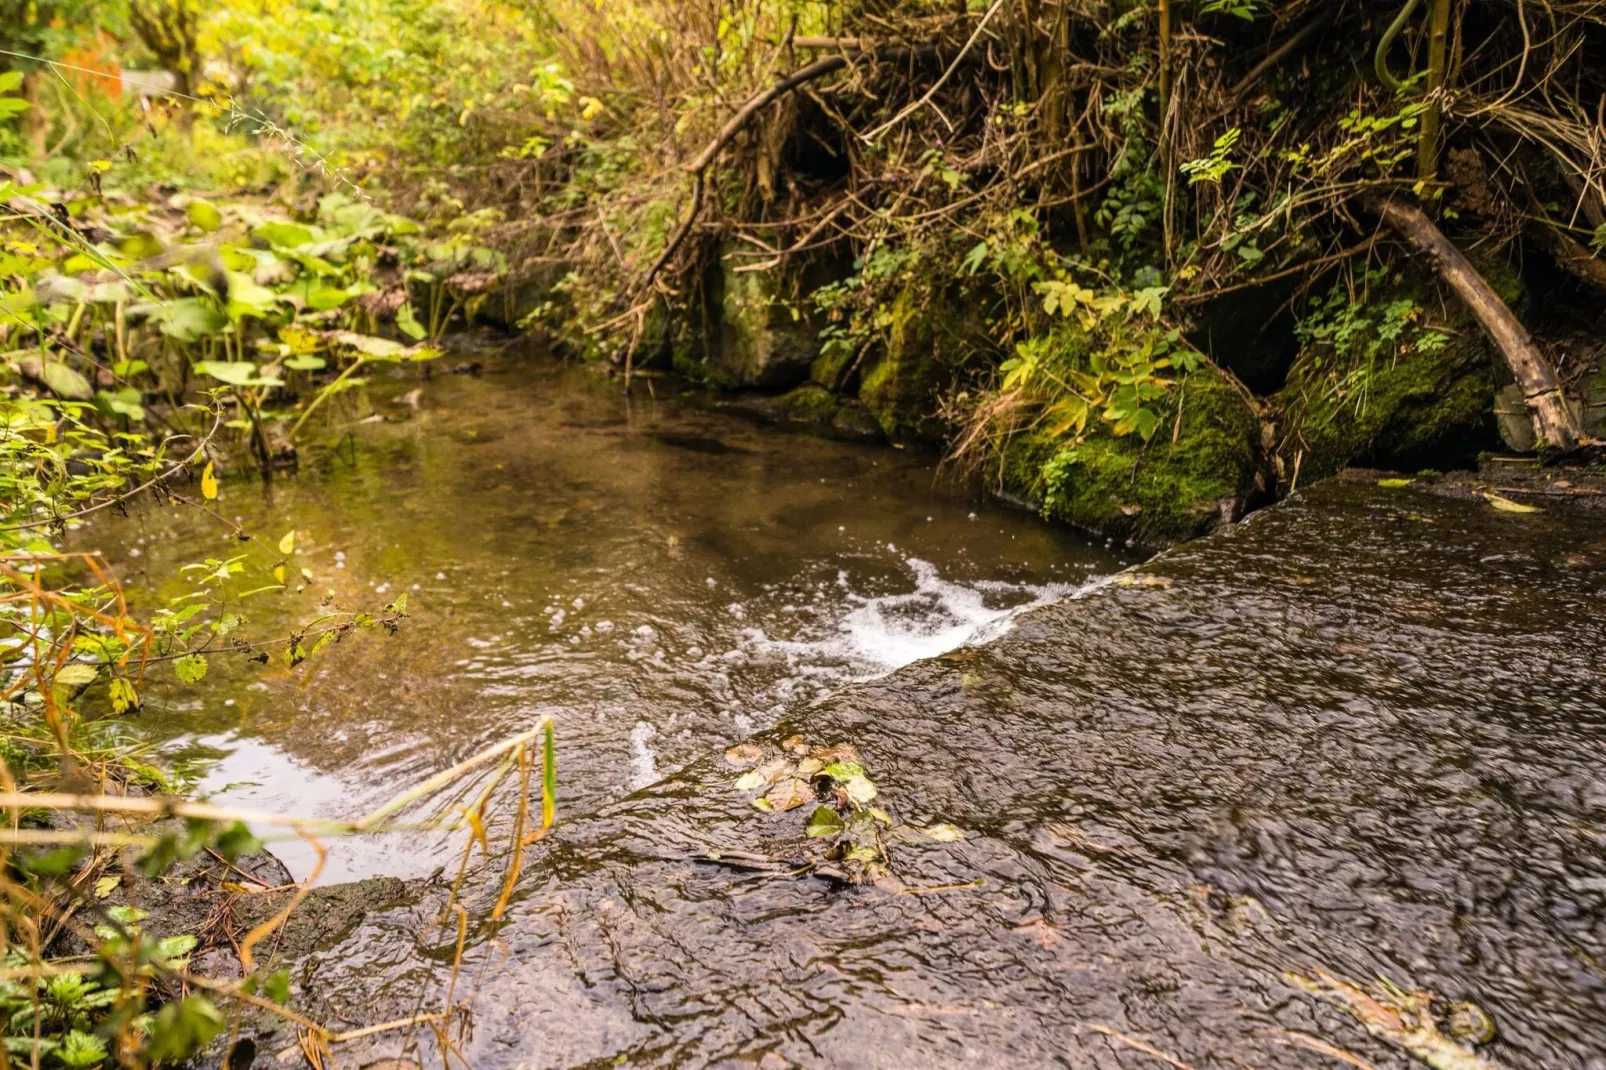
(881, 633)
(643, 763)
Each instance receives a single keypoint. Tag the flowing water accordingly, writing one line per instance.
(1364, 733)
(662, 577)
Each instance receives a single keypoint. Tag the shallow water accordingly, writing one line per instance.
(1363, 733)
(661, 576)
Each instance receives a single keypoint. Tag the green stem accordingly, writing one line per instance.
(1380, 61)
(324, 393)
(1427, 155)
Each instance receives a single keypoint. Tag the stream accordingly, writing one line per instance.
(1363, 733)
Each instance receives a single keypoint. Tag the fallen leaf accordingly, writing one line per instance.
(106, 886)
(1506, 505)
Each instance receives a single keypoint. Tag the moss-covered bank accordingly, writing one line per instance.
(1203, 468)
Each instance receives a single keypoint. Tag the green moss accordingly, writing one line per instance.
(830, 369)
(809, 403)
(1423, 406)
(766, 339)
(1162, 491)
(927, 338)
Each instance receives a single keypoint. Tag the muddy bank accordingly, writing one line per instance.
(1346, 735)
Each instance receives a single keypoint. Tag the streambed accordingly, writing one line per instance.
(1361, 734)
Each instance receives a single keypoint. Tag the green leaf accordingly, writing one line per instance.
(407, 323)
(66, 382)
(81, 1050)
(10, 81)
(188, 319)
(823, 822)
(237, 840)
(843, 771)
(325, 298)
(1395, 483)
(191, 668)
(306, 363)
(181, 1029)
(204, 215)
(233, 372)
(370, 346)
(123, 696)
(283, 235)
(76, 675)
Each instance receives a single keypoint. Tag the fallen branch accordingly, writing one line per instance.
(1554, 421)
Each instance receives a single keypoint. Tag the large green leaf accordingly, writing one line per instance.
(188, 319)
(284, 235)
(66, 382)
(233, 372)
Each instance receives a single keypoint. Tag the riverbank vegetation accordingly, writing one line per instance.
(1140, 264)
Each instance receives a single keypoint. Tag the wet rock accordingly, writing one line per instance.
(927, 339)
(856, 423)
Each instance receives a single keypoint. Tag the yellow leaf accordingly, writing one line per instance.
(123, 695)
(208, 483)
(287, 545)
(106, 886)
(278, 573)
(1506, 505)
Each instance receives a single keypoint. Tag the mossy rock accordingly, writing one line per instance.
(809, 403)
(928, 338)
(1423, 407)
(1155, 493)
(768, 335)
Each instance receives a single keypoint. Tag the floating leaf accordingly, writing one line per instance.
(287, 545)
(945, 833)
(306, 363)
(750, 780)
(843, 770)
(191, 668)
(1396, 483)
(1506, 505)
(859, 789)
(208, 482)
(823, 822)
(789, 794)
